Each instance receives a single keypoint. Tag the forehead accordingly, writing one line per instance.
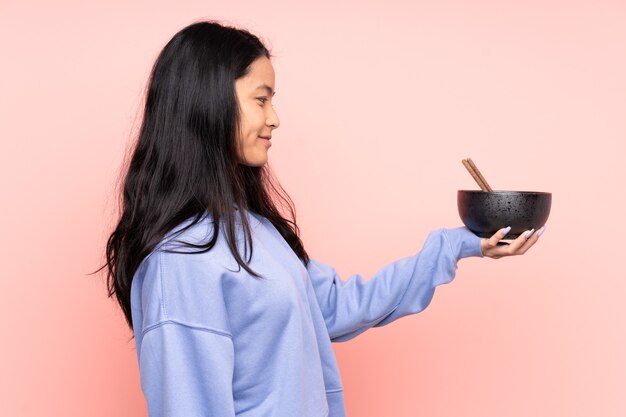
(261, 73)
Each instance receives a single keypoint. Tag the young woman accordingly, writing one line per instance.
(230, 315)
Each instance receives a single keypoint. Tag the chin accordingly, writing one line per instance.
(256, 163)
(254, 159)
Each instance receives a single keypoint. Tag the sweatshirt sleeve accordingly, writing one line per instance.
(184, 342)
(187, 371)
(403, 287)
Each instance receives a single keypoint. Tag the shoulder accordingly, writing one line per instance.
(192, 230)
(199, 231)
(185, 287)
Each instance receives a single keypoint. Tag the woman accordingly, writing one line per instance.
(229, 313)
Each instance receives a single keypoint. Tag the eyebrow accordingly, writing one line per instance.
(266, 87)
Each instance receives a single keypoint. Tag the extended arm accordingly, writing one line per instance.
(403, 287)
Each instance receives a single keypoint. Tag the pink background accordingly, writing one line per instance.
(379, 102)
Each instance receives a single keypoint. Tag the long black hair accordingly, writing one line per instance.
(185, 162)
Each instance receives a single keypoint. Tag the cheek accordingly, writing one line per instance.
(252, 120)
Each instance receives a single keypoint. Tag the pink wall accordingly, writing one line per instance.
(379, 103)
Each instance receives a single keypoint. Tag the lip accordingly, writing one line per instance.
(266, 140)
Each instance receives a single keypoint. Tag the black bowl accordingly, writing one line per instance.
(484, 213)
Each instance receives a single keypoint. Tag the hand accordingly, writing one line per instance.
(519, 246)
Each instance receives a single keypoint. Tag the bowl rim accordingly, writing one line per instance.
(505, 192)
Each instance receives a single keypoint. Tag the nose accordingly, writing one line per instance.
(272, 118)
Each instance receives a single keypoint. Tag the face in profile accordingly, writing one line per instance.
(255, 92)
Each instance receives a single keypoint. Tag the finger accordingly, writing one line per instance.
(531, 241)
(522, 239)
(499, 235)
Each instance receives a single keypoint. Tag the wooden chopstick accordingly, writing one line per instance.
(479, 175)
(473, 170)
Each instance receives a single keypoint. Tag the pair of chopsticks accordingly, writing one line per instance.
(478, 177)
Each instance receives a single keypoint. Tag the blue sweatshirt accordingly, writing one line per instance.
(212, 340)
